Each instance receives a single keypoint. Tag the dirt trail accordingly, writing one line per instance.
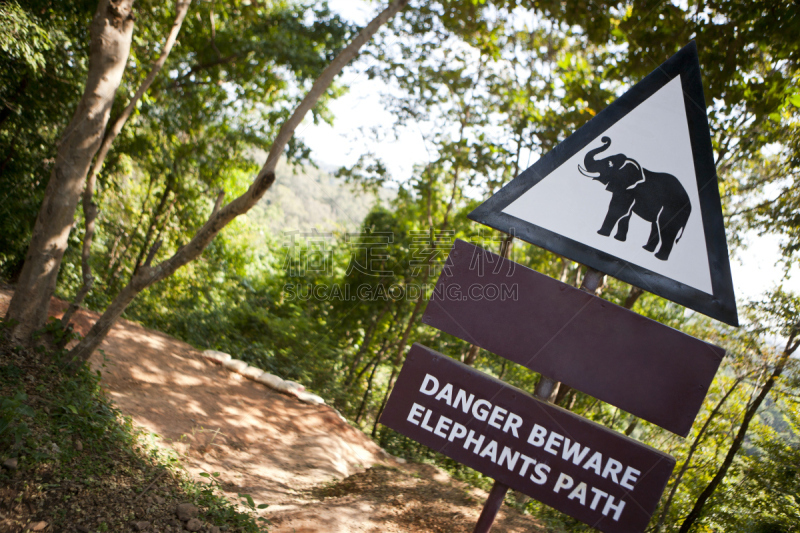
(280, 451)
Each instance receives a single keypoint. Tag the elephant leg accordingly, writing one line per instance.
(652, 241)
(622, 228)
(619, 207)
(669, 233)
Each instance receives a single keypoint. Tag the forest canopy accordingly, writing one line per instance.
(140, 144)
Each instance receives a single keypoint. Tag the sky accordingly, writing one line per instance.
(755, 269)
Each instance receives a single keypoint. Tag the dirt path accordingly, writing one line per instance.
(280, 451)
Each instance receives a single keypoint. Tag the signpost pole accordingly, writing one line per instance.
(673, 370)
(490, 508)
(498, 492)
(592, 280)
(546, 390)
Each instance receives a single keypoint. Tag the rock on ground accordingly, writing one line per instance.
(193, 525)
(217, 356)
(186, 511)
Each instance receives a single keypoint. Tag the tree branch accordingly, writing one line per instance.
(152, 253)
(90, 210)
(697, 441)
(752, 408)
(217, 221)
(218, 203)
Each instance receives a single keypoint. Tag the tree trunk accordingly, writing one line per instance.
(90, 213)
(111, 32)
(632, 297)
(563, 277)
(384, 347)
(688, 460)
(563, 390)
(696, 511)
(472, 354)
(401, 350)
(155, 219)
(503, 366)
(112, 252)
(389, 387)
(220, 218)
(90, 209)
(115, 263)
(368, 392)
(362, 350)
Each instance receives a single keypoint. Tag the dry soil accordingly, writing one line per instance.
(317, 473)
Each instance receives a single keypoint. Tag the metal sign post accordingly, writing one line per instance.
(647, 212)
(491, 508)
(545, 389)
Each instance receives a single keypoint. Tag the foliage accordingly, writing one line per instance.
(492, 86)
(42, 65)
(237, 71)
(768, 480)
(22, 41)
(220, 510)
(13, 412)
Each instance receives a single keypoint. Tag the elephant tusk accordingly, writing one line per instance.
(593, 175)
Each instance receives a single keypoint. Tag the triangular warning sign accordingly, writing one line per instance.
(634, 194)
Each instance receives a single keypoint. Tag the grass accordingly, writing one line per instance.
(83, 466)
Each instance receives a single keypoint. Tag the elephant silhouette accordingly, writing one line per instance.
(656, 197)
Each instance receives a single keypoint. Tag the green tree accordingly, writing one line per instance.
(783, 311)
(768, 483)
(111, 34)
(109, 55)
(42, 65)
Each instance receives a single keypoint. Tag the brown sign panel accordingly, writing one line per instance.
(600, 477)
(647, 369)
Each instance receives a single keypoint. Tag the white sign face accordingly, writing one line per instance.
(632, 201)
(633, 193)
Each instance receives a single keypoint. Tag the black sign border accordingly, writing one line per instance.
(722, 304)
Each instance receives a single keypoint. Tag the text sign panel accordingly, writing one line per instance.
(648, 369)
(600, 477)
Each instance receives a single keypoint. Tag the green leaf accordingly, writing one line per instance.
(249, 499)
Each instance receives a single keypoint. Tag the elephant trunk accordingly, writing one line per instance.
(592, 165)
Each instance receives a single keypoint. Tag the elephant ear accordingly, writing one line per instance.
(630, 174)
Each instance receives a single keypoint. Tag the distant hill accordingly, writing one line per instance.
(307, 198)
